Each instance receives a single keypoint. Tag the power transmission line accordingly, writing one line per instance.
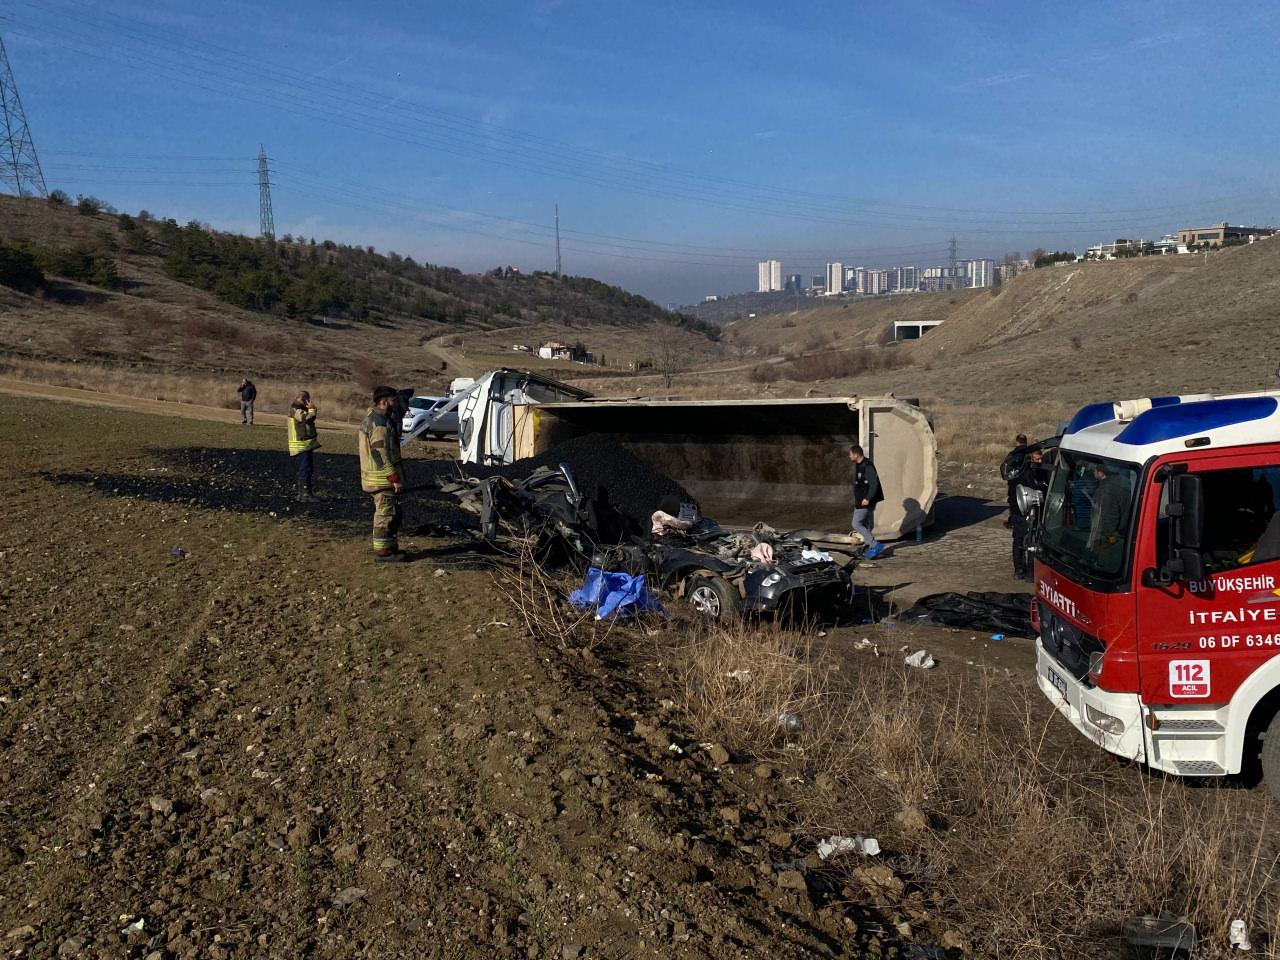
(558, 273)
(19, 165)
(463, 137)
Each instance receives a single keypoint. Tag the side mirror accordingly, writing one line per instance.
(1188, 565)
(1186, 507)
(1186, 535)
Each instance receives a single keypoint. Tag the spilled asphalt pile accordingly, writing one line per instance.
(603, 471)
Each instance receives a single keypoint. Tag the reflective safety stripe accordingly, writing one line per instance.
(384, 544)
(302, 435)
(374, 478)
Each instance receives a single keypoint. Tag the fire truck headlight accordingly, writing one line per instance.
(1104, 721)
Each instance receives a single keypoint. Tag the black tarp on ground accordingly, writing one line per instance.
(1008, 613)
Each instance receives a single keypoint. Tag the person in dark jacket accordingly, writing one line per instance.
(248, 393)
(1018, 521)
(867, 492)
(1010, 470)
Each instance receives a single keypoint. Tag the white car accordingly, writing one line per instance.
(423, 419)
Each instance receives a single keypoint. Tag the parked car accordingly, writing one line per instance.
(423, 416)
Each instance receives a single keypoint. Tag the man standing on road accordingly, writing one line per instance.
(302, 443)
(378, 444)
(866, 494)
(248, 393)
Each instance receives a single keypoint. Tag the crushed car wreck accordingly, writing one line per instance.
(722, 574)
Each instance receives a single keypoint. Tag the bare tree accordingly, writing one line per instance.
(668, 360)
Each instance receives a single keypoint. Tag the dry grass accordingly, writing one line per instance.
(337, 400)
(970, 433)
(1027, 849)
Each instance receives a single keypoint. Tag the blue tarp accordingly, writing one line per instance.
(614, 595)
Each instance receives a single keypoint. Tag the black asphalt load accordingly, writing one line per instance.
(605, 471)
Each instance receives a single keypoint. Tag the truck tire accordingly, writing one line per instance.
(1270, 756)
(713, 597)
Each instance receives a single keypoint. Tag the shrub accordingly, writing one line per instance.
(839, 365)
(59, 198)
(19, 270)
(91, 206)
(79, 263)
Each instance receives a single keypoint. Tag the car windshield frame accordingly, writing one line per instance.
(1095, 550)
(424, 403)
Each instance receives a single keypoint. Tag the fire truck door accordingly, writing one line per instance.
(1198, 640)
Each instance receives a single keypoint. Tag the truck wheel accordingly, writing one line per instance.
(1270, 756)
(713, 597)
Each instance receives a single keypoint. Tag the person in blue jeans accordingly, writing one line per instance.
(867, 492)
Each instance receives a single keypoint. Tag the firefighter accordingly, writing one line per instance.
(302, 443)
(381, 472)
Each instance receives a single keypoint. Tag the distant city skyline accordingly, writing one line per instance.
(678, 163)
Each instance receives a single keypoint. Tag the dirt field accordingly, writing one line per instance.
(265, 746)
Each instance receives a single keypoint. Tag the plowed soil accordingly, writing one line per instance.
(226, 733)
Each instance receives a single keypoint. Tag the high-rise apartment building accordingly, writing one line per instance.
(904, 279)
(875, 282)
(770, 276)
(835, 277)
(978, 273)
(795, 282)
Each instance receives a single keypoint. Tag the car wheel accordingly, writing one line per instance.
(713, 597)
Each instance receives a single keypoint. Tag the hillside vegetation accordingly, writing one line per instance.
(140, 298)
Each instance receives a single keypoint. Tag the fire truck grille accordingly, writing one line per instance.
(1067, 644)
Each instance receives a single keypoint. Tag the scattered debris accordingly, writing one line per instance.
(834, 845)
(742, 676)
(1169, 933)
(921, 659)
(178, 552)
(1238, 935)
(136, 926)
(790, 721)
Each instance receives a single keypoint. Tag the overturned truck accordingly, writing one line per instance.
(781, 461)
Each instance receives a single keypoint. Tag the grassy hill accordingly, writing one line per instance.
(138, 304)
(1025, 355)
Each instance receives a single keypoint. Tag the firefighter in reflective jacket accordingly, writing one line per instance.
(302, 442)
(381, 473)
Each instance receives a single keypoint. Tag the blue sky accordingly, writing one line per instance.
(682, 141)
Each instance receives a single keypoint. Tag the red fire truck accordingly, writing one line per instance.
(1157, 580)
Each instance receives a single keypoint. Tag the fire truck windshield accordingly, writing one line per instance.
(1088, 515)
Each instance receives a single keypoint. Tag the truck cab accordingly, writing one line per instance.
(1157, 582)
